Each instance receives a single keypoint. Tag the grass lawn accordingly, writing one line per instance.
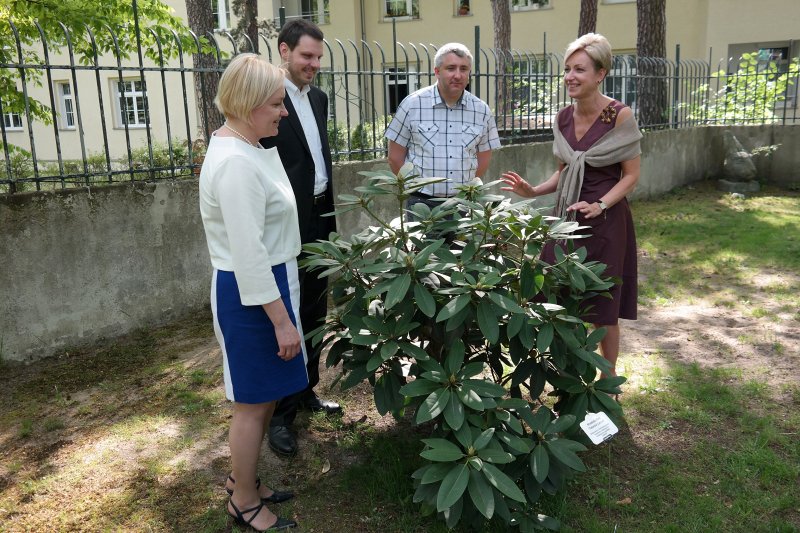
(131, 434)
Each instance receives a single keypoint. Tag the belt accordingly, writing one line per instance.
(319, 199)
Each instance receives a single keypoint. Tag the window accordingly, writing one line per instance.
(618, 1)
(221, 10)
(66, 105)
(523, 5)
(317, 11)
(12, 121)
(620, 83)
(462, 8)
(132, 103)
(399, 84)
(400, 9)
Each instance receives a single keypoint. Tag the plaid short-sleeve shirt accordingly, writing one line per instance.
(443, 141)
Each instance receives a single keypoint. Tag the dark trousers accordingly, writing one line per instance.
(313, 308)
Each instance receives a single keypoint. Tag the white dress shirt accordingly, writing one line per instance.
(302, 106)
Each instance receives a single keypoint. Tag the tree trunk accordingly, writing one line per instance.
(651, 50)
(246, 11)
(201, 21)
(501, 16)
(588, 22)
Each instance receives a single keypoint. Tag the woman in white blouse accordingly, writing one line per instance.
(250, 220)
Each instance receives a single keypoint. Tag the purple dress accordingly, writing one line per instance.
(612, 239)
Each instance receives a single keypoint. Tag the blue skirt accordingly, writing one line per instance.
(253, 372)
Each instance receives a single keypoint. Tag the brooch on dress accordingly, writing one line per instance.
(608, 114)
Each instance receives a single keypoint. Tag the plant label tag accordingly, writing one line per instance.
(599, 427)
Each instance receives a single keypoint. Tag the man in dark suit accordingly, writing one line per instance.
(302, 143)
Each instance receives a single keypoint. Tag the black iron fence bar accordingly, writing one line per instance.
(525, 97)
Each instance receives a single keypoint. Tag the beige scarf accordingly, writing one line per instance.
(618, 145)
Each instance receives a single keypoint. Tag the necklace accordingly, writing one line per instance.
(242, 137)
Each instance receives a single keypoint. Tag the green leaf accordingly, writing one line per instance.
(453, 486)
(608, 403)
(561, 424)
(540, 463)
(388, 349)
(419, 387)
(425, 300)
(495, 456)
(506, 303)
(519, 444)
(515, 324)
(464, 435)
(527, 281)
(544, 338)
(441, 450)
(470, 398)
(424, 254)
(610, 384)
(433, 405)
(455, 358)
(436, 472)
(471, 369)
(409, 348)
(374, 362)
(481, 493)
(398, 290)
(541, 420)
(484, 388)
(563, 452)
(487, 321)
(502, 482)
(453, 307)
(483, 439)
(454, 413)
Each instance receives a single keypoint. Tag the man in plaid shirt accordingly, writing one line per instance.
(443, 130)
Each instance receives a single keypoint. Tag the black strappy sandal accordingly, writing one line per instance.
(280, 523)
(277, 496)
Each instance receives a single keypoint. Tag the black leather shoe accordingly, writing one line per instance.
(316, 404)
(281, 441)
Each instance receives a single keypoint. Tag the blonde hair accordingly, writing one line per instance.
(246, 84)
(596, 47)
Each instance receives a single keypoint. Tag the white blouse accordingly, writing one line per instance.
(249, 215)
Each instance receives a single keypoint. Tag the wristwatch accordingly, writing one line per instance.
(602, 205)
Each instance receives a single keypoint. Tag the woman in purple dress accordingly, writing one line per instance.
(597, 145)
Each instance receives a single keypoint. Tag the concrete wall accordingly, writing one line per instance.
(82, 264)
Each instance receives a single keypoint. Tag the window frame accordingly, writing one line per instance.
(222, 17)
(528, 5)
(322, 15)
(401, 74)
(457, 4)
(412, 6)
(9, 119)
(63, 112)
(134, 95)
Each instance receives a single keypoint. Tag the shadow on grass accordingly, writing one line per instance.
(706, 453)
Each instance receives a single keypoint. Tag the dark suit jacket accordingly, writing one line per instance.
(296, 157)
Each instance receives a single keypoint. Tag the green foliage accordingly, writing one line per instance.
(167, 162)
(111, 23)
(749, 95)
(363, 139)
(445, 315)
(19, 165)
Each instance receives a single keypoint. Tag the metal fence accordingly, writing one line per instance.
(74, 119)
